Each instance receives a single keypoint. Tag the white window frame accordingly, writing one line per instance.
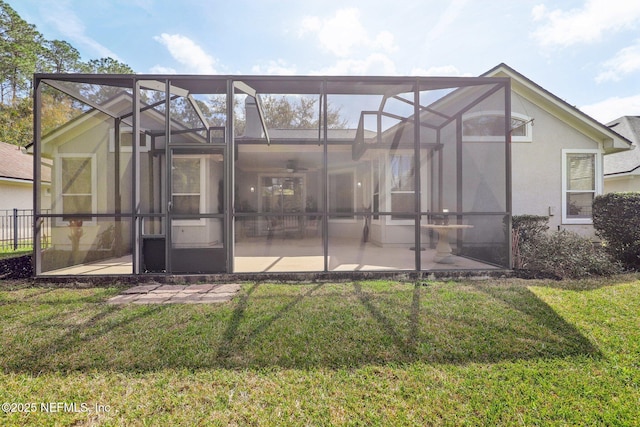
(598, 182)
(144, 144)
(94, 184)
(389, 202)
(203, 202)
(353, 197)
(528, 124)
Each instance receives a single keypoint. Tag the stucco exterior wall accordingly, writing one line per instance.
(537, 165)
(622, 184)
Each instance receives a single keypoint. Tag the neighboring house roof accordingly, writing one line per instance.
(628, 161)
(612, 141)
(16, 165)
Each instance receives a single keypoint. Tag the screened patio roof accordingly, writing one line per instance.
(460, 92)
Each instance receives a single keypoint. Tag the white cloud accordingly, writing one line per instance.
(277, 67)
(586, 25)
(159, 69)
(451, 13)
(375, 64)
(188, 53)
(385, 41)
(538, 12)
(63, 18)
(612, 108)
(344, 32)
(443, 70)
(626, 61)
(310, 24)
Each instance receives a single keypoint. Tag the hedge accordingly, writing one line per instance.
(558, 254)
(616, 218)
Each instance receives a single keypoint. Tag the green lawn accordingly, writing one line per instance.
(498, 352)
(10, 253)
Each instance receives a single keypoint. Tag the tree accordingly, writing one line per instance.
(20, 49)
(100, 93)
(16, 123)
(298, 113)
(23, 52)
(106, 66)
(59, 57)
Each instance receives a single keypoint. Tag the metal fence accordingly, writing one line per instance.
(16, 229)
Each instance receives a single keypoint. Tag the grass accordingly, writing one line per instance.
(499, 352)
(9, 252)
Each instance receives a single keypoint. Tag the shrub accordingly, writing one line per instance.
(616, 218)
(566, 254)
(525, 227)
(529, 225)
(560, 254)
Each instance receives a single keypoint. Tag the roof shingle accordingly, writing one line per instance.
(627, 161)
(14, 164)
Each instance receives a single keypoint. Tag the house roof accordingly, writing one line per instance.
(119, 105)
(628, 161)
(17, 165)
(611, 140)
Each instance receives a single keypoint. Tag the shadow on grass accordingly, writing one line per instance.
(289, 326)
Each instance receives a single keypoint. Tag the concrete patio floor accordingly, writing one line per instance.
(302, 255)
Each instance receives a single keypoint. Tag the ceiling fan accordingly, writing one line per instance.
(292, 166)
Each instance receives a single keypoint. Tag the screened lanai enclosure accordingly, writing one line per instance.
(156, 174)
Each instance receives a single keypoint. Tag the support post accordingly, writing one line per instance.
(417, 177)
(229, 179)
(37, 185)
(325, 180)
(15, 229)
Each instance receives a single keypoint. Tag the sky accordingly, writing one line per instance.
(586, 52)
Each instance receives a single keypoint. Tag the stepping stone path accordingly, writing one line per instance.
(176, 294)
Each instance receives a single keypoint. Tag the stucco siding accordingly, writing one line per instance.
(537, 165)
(622, 184)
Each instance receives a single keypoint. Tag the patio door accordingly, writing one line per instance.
(282, 194)
(195, 212)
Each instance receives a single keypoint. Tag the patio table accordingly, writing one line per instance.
(443, 248)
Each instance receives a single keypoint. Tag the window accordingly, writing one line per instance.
(282, 194)
(76, 178)
(341, 195)
(581, 170)
(489, 126)
(126, 140)
(402, 185)
(186, 192)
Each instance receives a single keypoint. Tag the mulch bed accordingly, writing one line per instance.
(19, 267)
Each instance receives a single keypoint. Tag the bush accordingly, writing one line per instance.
(566, 254)
(525, 227)
(529, 225)
(561, 254)
(616, 218)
